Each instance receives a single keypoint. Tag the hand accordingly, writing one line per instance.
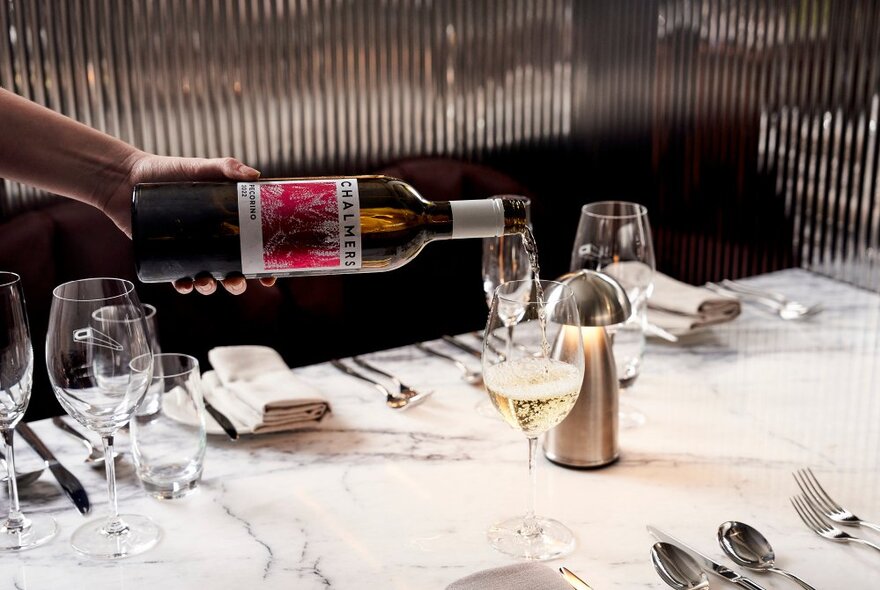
(143, 167)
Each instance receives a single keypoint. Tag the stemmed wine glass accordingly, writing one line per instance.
(100, 364)
(17, 532)
(614, 237)
(504, 260)
(534, 382)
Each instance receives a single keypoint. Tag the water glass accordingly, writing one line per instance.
(168, 445)
(150, 403)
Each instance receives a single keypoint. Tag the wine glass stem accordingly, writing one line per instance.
(530, 527)
(114, 525)
(15, 519)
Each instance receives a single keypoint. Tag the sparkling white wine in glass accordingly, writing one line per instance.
(533, 394)
(533, 380)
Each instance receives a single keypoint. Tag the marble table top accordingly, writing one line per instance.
(371, 498)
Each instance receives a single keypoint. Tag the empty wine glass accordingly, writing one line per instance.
(614, 237)
(505, 260)
(100, 364)
(17, 532)
(533, 385)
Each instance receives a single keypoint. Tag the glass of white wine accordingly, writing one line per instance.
(533, 380)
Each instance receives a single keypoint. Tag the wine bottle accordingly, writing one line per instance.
(296, 227)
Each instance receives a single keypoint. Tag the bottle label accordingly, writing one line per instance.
(297, 226)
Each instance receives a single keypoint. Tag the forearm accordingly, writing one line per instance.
(47, 150)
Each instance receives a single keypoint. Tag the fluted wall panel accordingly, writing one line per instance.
(749, 127)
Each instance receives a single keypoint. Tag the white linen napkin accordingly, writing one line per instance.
(519, 576)
(680, 308)
(255, 389)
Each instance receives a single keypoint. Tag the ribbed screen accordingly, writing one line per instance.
(748, 127)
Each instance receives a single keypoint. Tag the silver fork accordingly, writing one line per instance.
(404, 390)
(815, 522)
(814, 492)
(393, 401)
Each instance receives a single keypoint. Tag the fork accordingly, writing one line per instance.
(815, 522)
(405, 390)
(814, 492)
(395, 402)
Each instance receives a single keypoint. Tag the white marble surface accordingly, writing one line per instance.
(371, 498)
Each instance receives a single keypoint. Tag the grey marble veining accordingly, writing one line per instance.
(372, 498)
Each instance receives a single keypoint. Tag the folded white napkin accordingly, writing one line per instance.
(519, 576)
(255, 389)
(680, 308)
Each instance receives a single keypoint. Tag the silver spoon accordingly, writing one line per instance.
(677, 568)
(95, 457)
(470, 376)
(22, 478)
(750, 549)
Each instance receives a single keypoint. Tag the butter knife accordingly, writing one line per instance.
(711, 566)
(69, 483)
(222, 420)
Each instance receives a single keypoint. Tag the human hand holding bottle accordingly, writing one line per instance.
(95, 168)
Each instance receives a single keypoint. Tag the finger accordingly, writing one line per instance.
(183, 286)
(235, 285)
(205, 285)
(237, 170)
(214, 168)
(268, 281)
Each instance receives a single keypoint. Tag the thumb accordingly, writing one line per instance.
(214, 168)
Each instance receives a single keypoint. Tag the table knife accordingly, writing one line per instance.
(462, 346)
(710, 566)
(69, 483)
(222, 420)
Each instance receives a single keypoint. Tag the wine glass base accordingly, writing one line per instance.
(551, 539)
(40, 529)
(92, 540)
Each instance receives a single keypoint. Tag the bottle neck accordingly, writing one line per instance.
(486, 218)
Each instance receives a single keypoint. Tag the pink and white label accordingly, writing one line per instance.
(297, 226)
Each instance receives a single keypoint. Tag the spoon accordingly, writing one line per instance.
(677, 568)
(470, 376)
(95, 457)
(784, 308)
(22, 478)
(748, 548)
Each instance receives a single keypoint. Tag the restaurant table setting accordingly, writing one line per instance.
(371, 497)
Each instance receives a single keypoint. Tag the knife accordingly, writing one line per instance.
(711, 566)
(462, 346)
(222, 420)
(573, 581)
(69, 483)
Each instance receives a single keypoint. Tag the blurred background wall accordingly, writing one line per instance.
(749, 127)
